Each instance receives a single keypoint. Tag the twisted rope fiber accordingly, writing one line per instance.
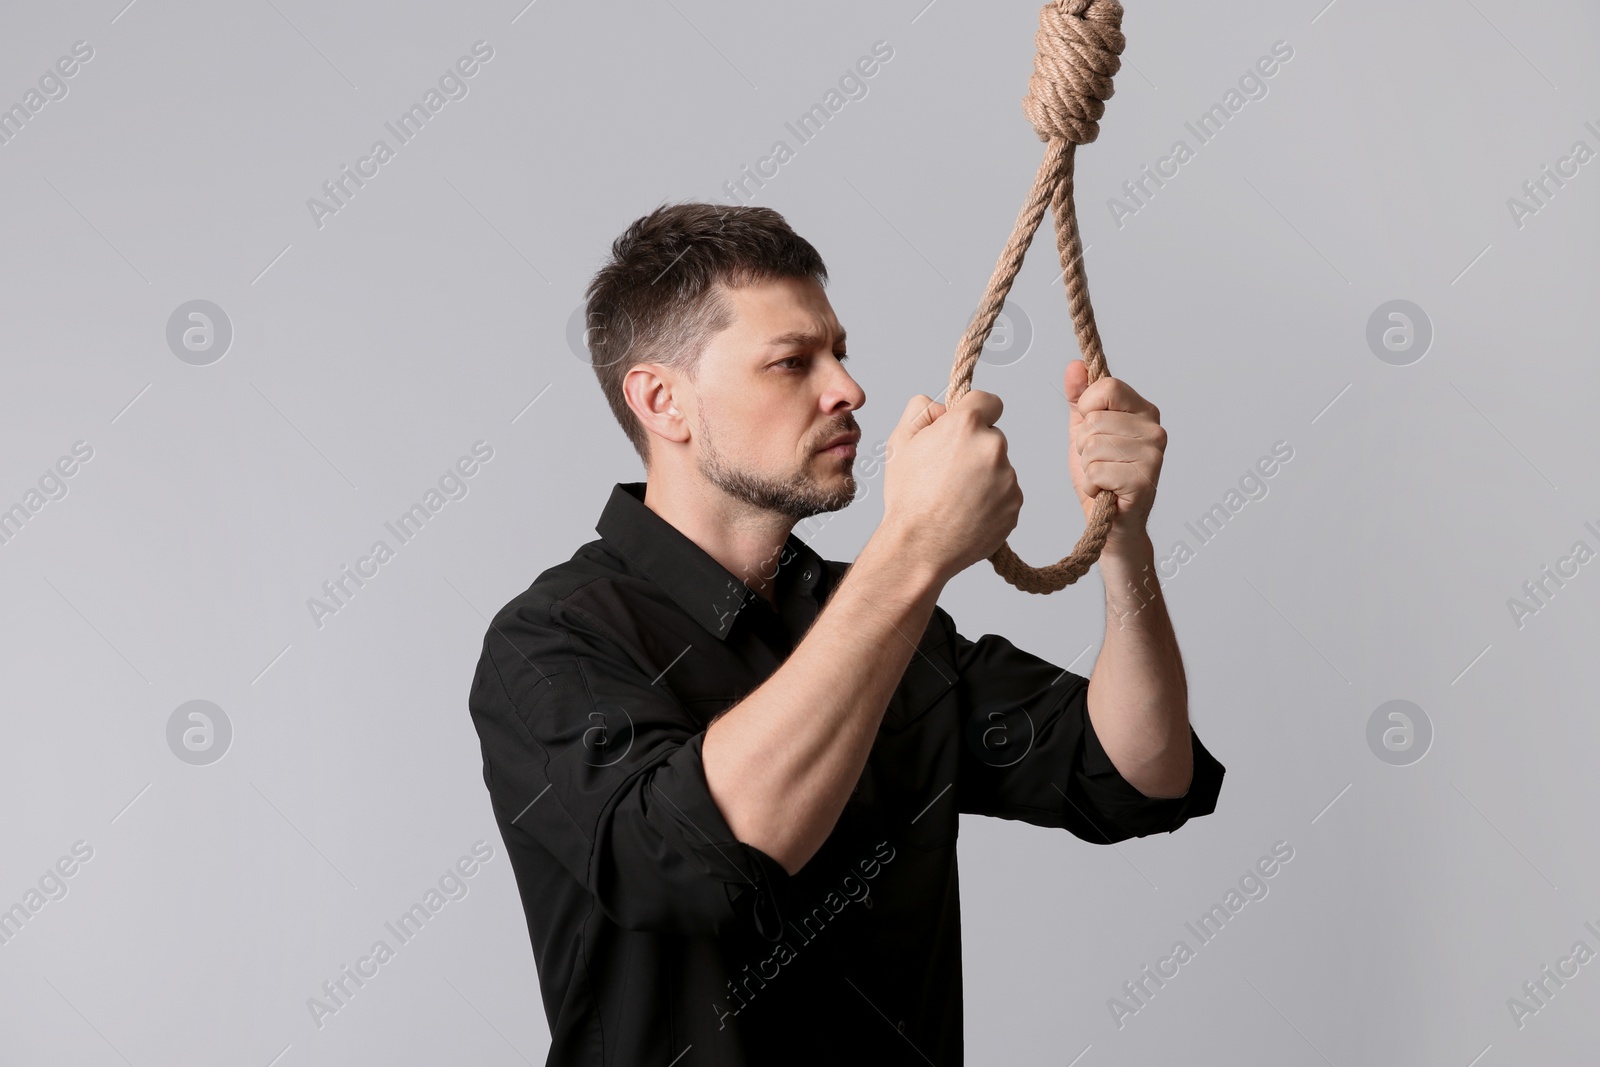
(1078, 42)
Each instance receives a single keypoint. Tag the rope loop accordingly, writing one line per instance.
(1079, 44)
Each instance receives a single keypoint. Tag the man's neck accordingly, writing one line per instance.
(748, 544)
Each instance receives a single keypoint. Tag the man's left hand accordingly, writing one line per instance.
(1116, 443)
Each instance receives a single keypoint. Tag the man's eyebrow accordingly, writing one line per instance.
(803, 338)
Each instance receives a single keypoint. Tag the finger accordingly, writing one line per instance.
(921, 411)
(1131, 467)
(1137, 427)
(1114, 394)
(985, 406)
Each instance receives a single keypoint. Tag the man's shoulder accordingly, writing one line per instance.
(596, 601)
(589, 581)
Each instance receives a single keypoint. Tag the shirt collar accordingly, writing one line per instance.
(701, 586)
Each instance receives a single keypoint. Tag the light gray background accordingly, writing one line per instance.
(429, 313)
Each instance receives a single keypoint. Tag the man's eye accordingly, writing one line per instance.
(840, 356)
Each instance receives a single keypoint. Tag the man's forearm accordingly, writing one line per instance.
(782, 762)
(1138, 698)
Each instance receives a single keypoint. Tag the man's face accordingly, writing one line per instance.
(771, 392)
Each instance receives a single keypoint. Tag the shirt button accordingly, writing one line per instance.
(806, 576)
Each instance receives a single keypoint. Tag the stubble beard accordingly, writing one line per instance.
(797, 496)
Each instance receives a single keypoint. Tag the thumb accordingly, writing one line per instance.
(1077, 380)
(920, 412)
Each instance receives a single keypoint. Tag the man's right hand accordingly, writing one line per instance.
(948, 487)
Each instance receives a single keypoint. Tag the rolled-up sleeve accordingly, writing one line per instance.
(602, 768)
(1030, 752)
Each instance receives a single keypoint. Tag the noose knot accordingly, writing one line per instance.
(1078, 44)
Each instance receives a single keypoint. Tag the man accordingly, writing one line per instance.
(728, 772)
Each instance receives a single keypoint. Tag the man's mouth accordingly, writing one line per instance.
(843, 445)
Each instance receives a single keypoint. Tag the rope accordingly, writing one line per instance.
(1078, 43)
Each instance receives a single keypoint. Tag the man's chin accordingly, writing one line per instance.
(826, 495)
(811, 492)
(845, 497)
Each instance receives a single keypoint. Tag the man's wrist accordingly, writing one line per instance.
(1132, 550)
(1128, 572)
(892, 549)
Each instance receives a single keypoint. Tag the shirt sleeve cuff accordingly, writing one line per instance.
(1131, 813)
(751, 879)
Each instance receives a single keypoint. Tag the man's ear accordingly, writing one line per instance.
(648, 390)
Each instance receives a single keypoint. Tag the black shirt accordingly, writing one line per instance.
(659, 937)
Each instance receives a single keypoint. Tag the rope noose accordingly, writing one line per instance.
(1078, 43)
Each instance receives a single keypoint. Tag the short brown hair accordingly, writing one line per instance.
(658, 299)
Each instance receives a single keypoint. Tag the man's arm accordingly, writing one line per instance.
(1138, 700)
(1138, 695)
(781, 763)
